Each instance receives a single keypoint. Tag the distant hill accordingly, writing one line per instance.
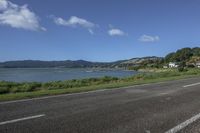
(74, 64)
(136, 61)
(45, 64)
(185, 56)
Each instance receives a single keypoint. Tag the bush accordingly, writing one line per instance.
(191, 66)
(25, 87)
(182, 69)
(108, 79)
(14, 90)
(4, 90)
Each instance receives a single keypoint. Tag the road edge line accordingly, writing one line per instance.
(184, 124)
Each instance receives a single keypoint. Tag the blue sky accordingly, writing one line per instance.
(96, 30)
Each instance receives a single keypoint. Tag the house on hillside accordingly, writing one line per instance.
(173, 65)
(165, 66)
(198, 64)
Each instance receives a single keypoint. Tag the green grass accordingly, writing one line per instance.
(14, 91)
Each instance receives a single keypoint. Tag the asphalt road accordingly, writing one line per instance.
(153, 108)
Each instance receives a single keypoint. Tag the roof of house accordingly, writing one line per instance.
(173, 63)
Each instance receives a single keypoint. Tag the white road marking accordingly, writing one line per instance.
(191, 85)
(184, 124)
(21, 119)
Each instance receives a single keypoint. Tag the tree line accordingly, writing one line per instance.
(183, 55)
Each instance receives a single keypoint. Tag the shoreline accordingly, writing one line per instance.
(15, 91)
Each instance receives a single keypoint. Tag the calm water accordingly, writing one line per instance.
(54, 74)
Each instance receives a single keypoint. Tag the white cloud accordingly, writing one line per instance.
(74, 21)
(147, 38)
(116, 32)
(18, 16)
(3, 4)
(91, 31)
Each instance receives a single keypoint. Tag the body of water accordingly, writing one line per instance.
(55, 74)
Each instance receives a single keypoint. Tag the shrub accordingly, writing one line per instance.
(4, 90)
(26, 87)
(14, 90)
(181, 69)
(108, 79)
(191, 66)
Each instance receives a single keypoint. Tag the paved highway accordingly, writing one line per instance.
(168, 107)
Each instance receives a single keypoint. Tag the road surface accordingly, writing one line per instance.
(167, 107)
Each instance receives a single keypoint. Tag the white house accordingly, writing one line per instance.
(165, 66)
(198, 64)
(173, 65)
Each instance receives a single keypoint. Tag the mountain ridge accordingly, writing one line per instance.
(72, 63)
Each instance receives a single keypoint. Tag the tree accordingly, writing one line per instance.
(183, 54)
(196, 51)
(170, 57)
(181, 66)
